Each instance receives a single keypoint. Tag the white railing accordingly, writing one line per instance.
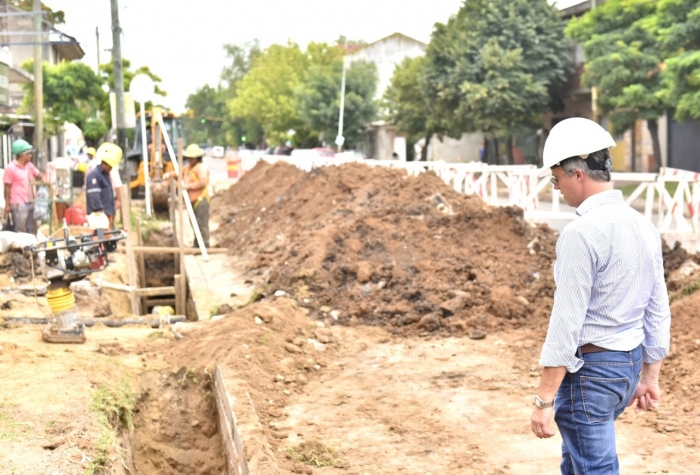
(519, 185)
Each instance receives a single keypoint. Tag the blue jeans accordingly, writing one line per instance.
(587, 405)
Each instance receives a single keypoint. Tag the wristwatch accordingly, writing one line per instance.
(541, 404)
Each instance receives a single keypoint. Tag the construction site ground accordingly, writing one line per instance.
(376, 324)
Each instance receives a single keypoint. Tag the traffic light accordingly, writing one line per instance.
(203, 121)
(243, 139)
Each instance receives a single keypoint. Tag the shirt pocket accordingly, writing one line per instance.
(601, 396)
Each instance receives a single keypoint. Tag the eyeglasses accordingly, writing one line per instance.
(555, 180)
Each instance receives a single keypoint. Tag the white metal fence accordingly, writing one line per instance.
(674, 212)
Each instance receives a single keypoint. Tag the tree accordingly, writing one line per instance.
(319, 95)
(623, 63)
(266, 94)
(93, 131)
(678, 23)
(71, 92)
(240, 58)
(55, 17)
(107, 73)
(406, 102)
(496, 67)
(210, 120)
(208, 108)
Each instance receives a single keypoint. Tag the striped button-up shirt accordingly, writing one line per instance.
(610, 285)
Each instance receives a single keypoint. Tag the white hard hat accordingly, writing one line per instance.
(574, 137)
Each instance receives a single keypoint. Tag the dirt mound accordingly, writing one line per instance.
(375, 246)
(16, 265)
(681, 372)
(674, 257)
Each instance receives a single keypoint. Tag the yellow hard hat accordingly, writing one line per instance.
(109, 153)
(193, 151)
(90, 151)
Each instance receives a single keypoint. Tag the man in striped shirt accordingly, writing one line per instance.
(610, 325)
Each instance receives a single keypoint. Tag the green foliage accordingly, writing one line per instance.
(319, 97)
(316, 454)
(210, 103)
(240, 58)
(94, 130)
(54, 17)
(9, 428)
(207, 103)
(623, 60)
(678, 24)
(71, 91)
(496, 67)
(405, 101)
(267, 93)
(113, 402)
(107, 72)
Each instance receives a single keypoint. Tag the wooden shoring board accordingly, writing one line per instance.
(236, 463)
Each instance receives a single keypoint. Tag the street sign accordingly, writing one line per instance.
(142, 88)
(4, 85)
(339, 140)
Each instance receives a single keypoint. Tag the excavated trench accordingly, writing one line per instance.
(175, 428)
(175, 424)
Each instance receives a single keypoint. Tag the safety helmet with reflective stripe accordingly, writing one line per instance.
(574, 137)
(109, 153)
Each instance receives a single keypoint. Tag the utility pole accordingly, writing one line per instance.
(97, 37)
(119, 86)
(39, 89)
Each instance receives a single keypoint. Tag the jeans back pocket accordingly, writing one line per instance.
(601, 396)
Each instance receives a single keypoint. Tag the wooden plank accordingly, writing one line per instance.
(182, 289)
(119, 287)
(169, 302)
(179, 307)
(233, 445)
(177, 250)
(142, 264)
(130, 261)
(155, 291)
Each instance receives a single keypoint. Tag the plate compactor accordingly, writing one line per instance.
(66, 260)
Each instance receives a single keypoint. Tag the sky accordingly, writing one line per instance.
(182, 41)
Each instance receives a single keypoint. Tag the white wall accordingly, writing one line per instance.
(387, 54)
(465, 149)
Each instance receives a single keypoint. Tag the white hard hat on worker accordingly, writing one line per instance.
(575, 137)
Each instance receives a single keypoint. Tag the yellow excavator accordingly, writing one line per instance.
(159, 159)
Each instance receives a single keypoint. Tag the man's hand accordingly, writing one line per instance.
(540, 420)
(647, 397)
(7, 209)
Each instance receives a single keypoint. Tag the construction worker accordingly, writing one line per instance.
(609, 330)
(95, 162)
(19, 179)
(195, 177)
(98, 184)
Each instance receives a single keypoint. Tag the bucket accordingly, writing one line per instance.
(233, 167)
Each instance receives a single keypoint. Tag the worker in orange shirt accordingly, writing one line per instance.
(195, 178)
